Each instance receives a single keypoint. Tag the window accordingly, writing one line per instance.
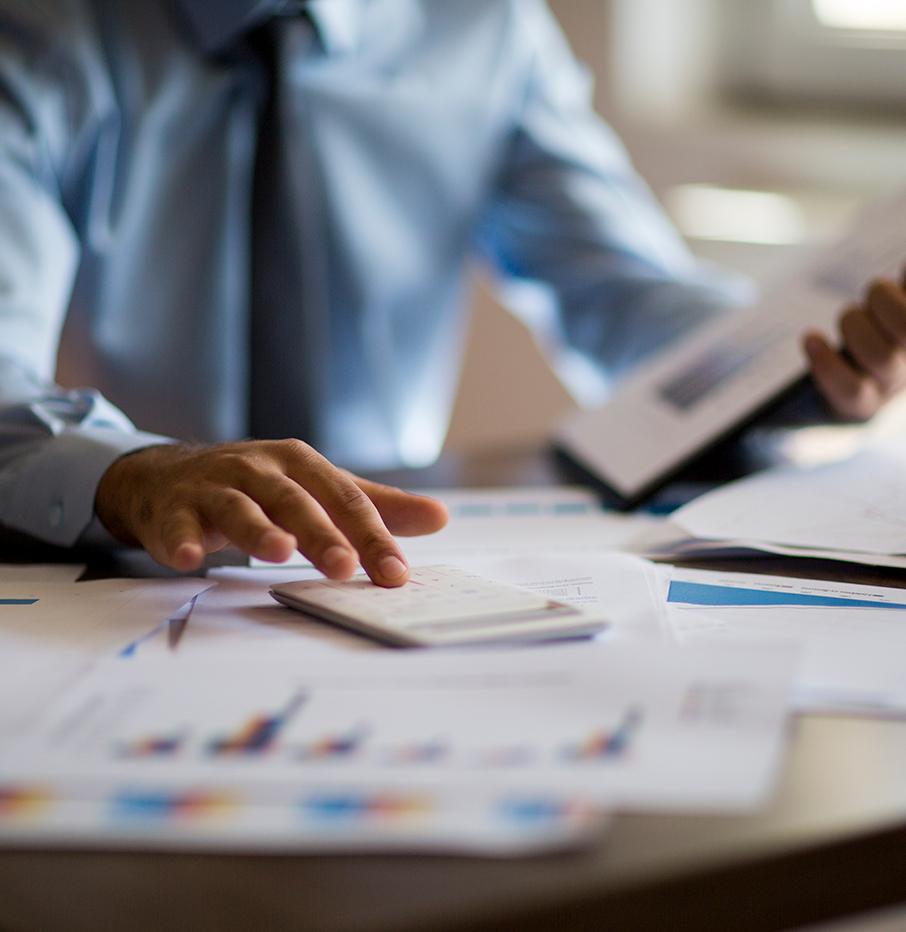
(833, 51)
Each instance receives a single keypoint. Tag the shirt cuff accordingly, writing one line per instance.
(49, 494)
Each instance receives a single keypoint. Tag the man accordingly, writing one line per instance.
(252, 217)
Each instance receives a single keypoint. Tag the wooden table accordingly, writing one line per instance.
(831, 842)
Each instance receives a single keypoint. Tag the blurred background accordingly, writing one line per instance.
(761, 125)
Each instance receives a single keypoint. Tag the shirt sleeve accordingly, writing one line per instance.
(570, 216)
(55, 444)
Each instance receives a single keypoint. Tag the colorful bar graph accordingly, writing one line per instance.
(356, 806)
(159, 746)
(170, 805)
(22, 801)
(532, 811)
(258, 735)
(607, 744)
(333, 747)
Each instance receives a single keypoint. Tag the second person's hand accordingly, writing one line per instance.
(870, 367)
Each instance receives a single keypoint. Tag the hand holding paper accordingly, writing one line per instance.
(688, 397)
(871, 369)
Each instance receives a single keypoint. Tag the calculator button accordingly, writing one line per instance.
(437, 602)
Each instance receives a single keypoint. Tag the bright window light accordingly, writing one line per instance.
(874, 15)
(734, 215)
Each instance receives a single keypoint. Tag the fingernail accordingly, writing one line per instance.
(187, 556)
(391, 567)
(334, 556)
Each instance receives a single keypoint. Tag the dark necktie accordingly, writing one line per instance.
(285, 304)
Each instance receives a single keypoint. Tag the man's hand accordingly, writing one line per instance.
(871, 369)
(267, 498)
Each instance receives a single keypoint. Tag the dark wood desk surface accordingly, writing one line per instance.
(832, 841)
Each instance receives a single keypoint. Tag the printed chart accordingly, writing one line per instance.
(610, 724)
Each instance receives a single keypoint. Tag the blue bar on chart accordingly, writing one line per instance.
(695, 593)
(259, 734)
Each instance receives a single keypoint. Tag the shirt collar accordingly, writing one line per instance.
(217, 25)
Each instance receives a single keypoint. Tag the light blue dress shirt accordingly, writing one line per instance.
(422, 132)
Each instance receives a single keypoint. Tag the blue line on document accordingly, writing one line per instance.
(692, 593)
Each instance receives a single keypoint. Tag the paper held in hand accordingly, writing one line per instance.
(725, 372)
(853, 511)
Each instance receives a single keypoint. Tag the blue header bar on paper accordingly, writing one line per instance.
(692, 593)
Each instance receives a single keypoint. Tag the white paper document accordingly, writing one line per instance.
(138, 749)
(557, 501)
(671, 542)
(40, 572)
(50, 632)
(851, 638)
(696, 391)
(102, 616)
(237, 617)
(628, 589)
(489, 522)
(858, 505)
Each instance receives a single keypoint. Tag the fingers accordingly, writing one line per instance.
(404, 513)
(352, 511)
(182, 542)
(872, 350)
(266, 498)
(852, 394)
(243, 523)
(872, 366)
(886, 303)
(338, 518)
(292, 508)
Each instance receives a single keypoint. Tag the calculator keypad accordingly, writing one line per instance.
(433, 593)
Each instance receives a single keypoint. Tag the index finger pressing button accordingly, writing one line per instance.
(353, 512)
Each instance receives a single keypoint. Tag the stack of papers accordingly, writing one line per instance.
(119, 691)
(52, 632)
(202, 714)
(853, 511)
(494, 752)
(851, 638)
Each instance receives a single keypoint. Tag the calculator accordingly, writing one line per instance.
(439, 606)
